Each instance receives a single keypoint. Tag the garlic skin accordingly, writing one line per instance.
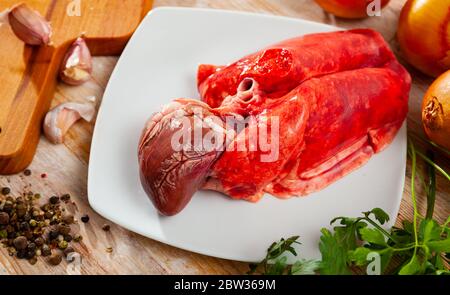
(76, 67)
(29, 26)
(59, 120)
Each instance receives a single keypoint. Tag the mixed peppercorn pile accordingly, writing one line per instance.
(29, 230)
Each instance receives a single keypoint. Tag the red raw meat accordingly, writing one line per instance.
(283, 66)
(338, 97)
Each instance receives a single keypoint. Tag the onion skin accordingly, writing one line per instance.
(436, 111)
(348, 8)
(424, 35)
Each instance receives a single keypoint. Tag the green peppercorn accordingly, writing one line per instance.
(33, 223)
(78, 238)
(62, 245)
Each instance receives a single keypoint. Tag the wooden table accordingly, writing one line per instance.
(67, 165)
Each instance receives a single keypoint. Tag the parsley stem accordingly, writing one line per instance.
(380, 229)
(426, 159)
(413, 190)
(431, 192)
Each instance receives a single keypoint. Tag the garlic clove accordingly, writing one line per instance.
(59, 120)
(29, 26)
(76, 67)
(4, 17)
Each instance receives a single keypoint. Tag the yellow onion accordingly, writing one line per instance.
(436, 111)
(424, 35)
(350, 8)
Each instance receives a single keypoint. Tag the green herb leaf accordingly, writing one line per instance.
(413, 267)
(305, 267)
(334, 254)
(440, 246)
(359, 255)
(380, 215)
(373, 236)
(429, 230)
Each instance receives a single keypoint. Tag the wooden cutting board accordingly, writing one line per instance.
(29, 74)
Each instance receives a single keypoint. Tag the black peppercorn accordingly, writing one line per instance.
(53, 234)
(21, 254)
(6, 191)
(27, 172)
(85, 218)
(54, 200)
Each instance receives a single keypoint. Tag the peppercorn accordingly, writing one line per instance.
(78, 238)
(28, 234)
(20, 242)
(39, 241)
(48, 214)
(32, 260)
(3, 234)
(68, 238)
(21, 210)
(6, 191)
(65, 197)
(24, 226)
(46, 251)
(27, 172)
(31, 246)
(8, 206)
(55, 259)
(54, 200)
(33, 223)
(53, 234)
(37, 196)
(68, 218)
(106, 227)
(27, 217)
(21, 254)
(4, 218)
(62, 245)
(63, 229)
(30, 254)
(85, 218)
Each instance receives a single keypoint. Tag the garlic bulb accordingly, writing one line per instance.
(76, 67)
(29, 26)
(59, 120)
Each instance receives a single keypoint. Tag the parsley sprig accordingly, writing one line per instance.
(420, 246)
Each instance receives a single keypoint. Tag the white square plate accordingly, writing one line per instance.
(158, 65)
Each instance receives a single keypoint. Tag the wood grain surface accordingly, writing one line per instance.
(66, 165)
(30, 72)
